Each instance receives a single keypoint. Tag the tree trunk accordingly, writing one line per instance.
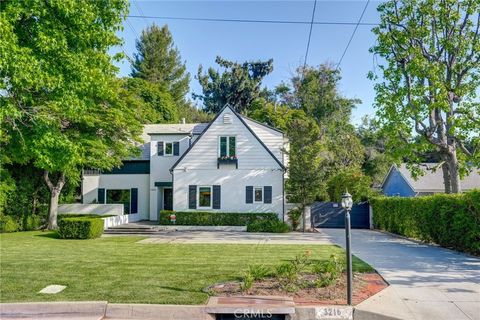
(304, 218)
(446, 177)
(454, 173)
(55, 190)
(53, 210)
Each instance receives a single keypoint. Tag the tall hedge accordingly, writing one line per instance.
(452, 221)
(202, 218)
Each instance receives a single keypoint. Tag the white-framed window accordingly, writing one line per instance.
(204, 197)
(227, 146)
(168, 148)
(258, 194)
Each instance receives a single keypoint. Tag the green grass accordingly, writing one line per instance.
(117, 269)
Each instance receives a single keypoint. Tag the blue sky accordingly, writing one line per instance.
(200, 42)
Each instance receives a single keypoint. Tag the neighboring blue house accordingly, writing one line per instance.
(399, 181)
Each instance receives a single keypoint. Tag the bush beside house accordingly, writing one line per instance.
(197, 218)
(274, 226)
(80, 227)
(451, 221)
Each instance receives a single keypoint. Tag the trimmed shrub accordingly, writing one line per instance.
(80, 228)
(452, 221)
(275, 226)
(32, 222)
(294, 216)
(8, 224)
(80, 215)
(201, 218)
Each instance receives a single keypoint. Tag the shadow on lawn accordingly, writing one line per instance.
(49, 234)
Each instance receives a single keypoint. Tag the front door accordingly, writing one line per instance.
(167, 199)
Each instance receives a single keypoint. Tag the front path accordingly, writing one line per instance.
(237, 238)
(427, 282)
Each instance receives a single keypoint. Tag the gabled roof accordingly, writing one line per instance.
(433, 181)
(166, 129)
(243, 122)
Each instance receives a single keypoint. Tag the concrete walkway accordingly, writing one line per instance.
(236, 238)
(427, 282)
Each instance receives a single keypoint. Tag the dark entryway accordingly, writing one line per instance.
(167, 199)
(332, 215)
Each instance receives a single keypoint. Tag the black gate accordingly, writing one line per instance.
(332, 215)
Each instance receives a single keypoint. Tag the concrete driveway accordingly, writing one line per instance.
(427, 282)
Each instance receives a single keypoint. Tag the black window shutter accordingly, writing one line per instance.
(216, 197)
(134, 200)
(160, 148)
(267, 194)
(176, 148)
(249, 194)
(192, 197)
(101, 195)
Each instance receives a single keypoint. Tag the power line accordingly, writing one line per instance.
(132, 28)
(353, 34)
(341, 23)
(139, 10)
(309, 37)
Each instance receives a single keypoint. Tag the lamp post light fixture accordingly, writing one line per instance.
(347, 204)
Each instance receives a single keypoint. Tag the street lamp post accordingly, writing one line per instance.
(347, 205)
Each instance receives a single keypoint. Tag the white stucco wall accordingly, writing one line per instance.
(91, 183)
(271, 138)
(160, 167)
(251, 154)
(100, 209)
(233, 188)
(256, 167)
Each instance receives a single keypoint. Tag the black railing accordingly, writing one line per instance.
(227, 161)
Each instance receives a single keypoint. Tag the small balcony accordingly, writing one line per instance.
(227, 160)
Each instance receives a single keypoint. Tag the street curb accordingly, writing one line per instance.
(102, 310)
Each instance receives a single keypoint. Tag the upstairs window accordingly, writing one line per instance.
(258, 194)
(168, 148)
(228, 146)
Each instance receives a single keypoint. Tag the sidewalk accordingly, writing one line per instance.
(220, 237)
(426, 282)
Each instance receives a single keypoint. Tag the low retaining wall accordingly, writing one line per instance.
(115, 221)
(100, 209)
(204, 228)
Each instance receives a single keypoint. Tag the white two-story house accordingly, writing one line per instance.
(233, 164)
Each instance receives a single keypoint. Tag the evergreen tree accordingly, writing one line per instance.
(238, 85)
(158, 61)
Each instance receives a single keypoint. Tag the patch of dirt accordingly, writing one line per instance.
(365, 285)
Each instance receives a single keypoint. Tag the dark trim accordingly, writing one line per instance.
(262, 124)
(283, 197)
(216, 196)
(134, 200)
(195, 142)
(227, 161)
(163, 184)
(101, 195)
(208, 127)
(170, 134)
(131, 167)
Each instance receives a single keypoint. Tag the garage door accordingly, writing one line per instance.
(332, 215)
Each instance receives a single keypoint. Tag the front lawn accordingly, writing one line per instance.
(117, 269)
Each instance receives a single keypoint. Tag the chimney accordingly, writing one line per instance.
(183, 120)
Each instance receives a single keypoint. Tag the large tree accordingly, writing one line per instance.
(238, 85)
(306, 170)
(62, 106)
(158, 61)
(316, 92)
(154, 103)
(428, 96)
